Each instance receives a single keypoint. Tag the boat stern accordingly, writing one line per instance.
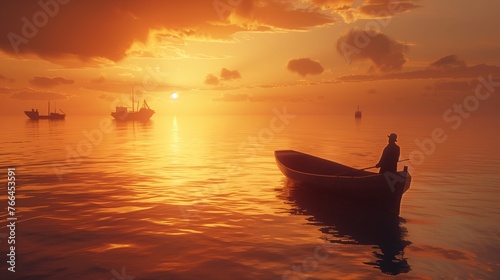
(407, 176)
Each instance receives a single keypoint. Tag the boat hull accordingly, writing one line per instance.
(141, 115)
(382, 191)
(34, 115)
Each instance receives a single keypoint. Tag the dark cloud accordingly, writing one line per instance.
(30, 94)
(107, 29)
(45, 82)
(226, 74)
(211, 79)
(305, 66)
(386, 53)
(447, 62)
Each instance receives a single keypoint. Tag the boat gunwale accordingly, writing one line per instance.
(323, 175)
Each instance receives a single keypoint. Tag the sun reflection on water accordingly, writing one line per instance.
(159, 198)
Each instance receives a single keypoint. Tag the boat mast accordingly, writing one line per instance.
(133, 104)
(48, 109)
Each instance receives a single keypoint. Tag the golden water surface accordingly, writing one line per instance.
(200, 197)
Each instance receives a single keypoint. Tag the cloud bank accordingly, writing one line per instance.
(30, 94)
(446, 67)
(107, 29)
(45, 82)
(448, 62)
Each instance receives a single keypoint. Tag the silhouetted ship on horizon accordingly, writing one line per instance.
(34, 115)
(358, 114)
(142, 114)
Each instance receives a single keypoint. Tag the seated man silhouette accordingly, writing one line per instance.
(389, 160)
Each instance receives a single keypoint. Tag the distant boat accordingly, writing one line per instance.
(358, 114)
(34, 115)
(343, 182)
(142, 114)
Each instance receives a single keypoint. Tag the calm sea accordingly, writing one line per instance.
(200, 197)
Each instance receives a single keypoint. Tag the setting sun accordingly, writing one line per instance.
(175, 95)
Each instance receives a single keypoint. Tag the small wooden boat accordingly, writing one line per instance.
(382, 191)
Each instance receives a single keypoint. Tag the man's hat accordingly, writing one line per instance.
(393, 136)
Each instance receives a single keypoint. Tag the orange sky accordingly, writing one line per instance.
(249, 56)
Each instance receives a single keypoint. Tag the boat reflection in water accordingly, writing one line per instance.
(347, 223)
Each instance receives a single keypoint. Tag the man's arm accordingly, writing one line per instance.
(382, 158)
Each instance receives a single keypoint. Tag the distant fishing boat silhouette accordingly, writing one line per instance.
(358, 114)
(34, 115)
(143, 114)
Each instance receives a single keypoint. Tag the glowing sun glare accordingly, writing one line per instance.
(175, 95)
